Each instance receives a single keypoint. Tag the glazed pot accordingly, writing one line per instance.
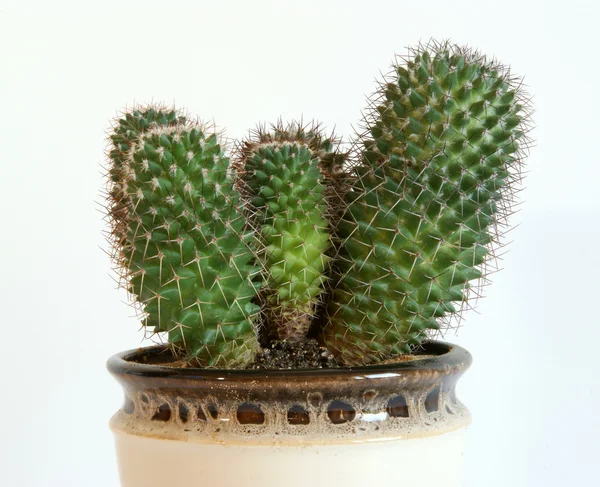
(392, 424)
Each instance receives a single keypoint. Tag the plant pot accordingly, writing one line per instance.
(394, 424)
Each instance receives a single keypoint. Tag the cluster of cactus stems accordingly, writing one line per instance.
(370, 250)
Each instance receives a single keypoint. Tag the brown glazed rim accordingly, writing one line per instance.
(403, 399)
(142, 362)
(136, 371)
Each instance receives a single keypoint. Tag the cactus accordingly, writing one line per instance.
(375, 256)
(125, 132)
(284, 172)
(443, 146)
(181, 238)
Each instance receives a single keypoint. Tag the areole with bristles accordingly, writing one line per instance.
(370, 250)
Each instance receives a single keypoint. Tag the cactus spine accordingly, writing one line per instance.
(444, 140)
(181, 237)
(284, 174)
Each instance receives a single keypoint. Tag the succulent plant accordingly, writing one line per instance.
(285, 172)
(180, 236)
(376, 249)
(443, 144)
(125, 131)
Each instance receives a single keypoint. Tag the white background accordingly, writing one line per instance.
(66, 68)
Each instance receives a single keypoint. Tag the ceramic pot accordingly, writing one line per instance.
(394, 424)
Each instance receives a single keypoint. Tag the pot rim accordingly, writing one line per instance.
(297, 406)
(446, 356)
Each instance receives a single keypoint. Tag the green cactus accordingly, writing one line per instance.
(443, 144)
(377, 254)
(181, 237)
(285, 173)
(125, 132)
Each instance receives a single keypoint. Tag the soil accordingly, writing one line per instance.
(306, 354)
(283, 355)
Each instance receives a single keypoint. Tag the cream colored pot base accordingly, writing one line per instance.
(418, 462)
